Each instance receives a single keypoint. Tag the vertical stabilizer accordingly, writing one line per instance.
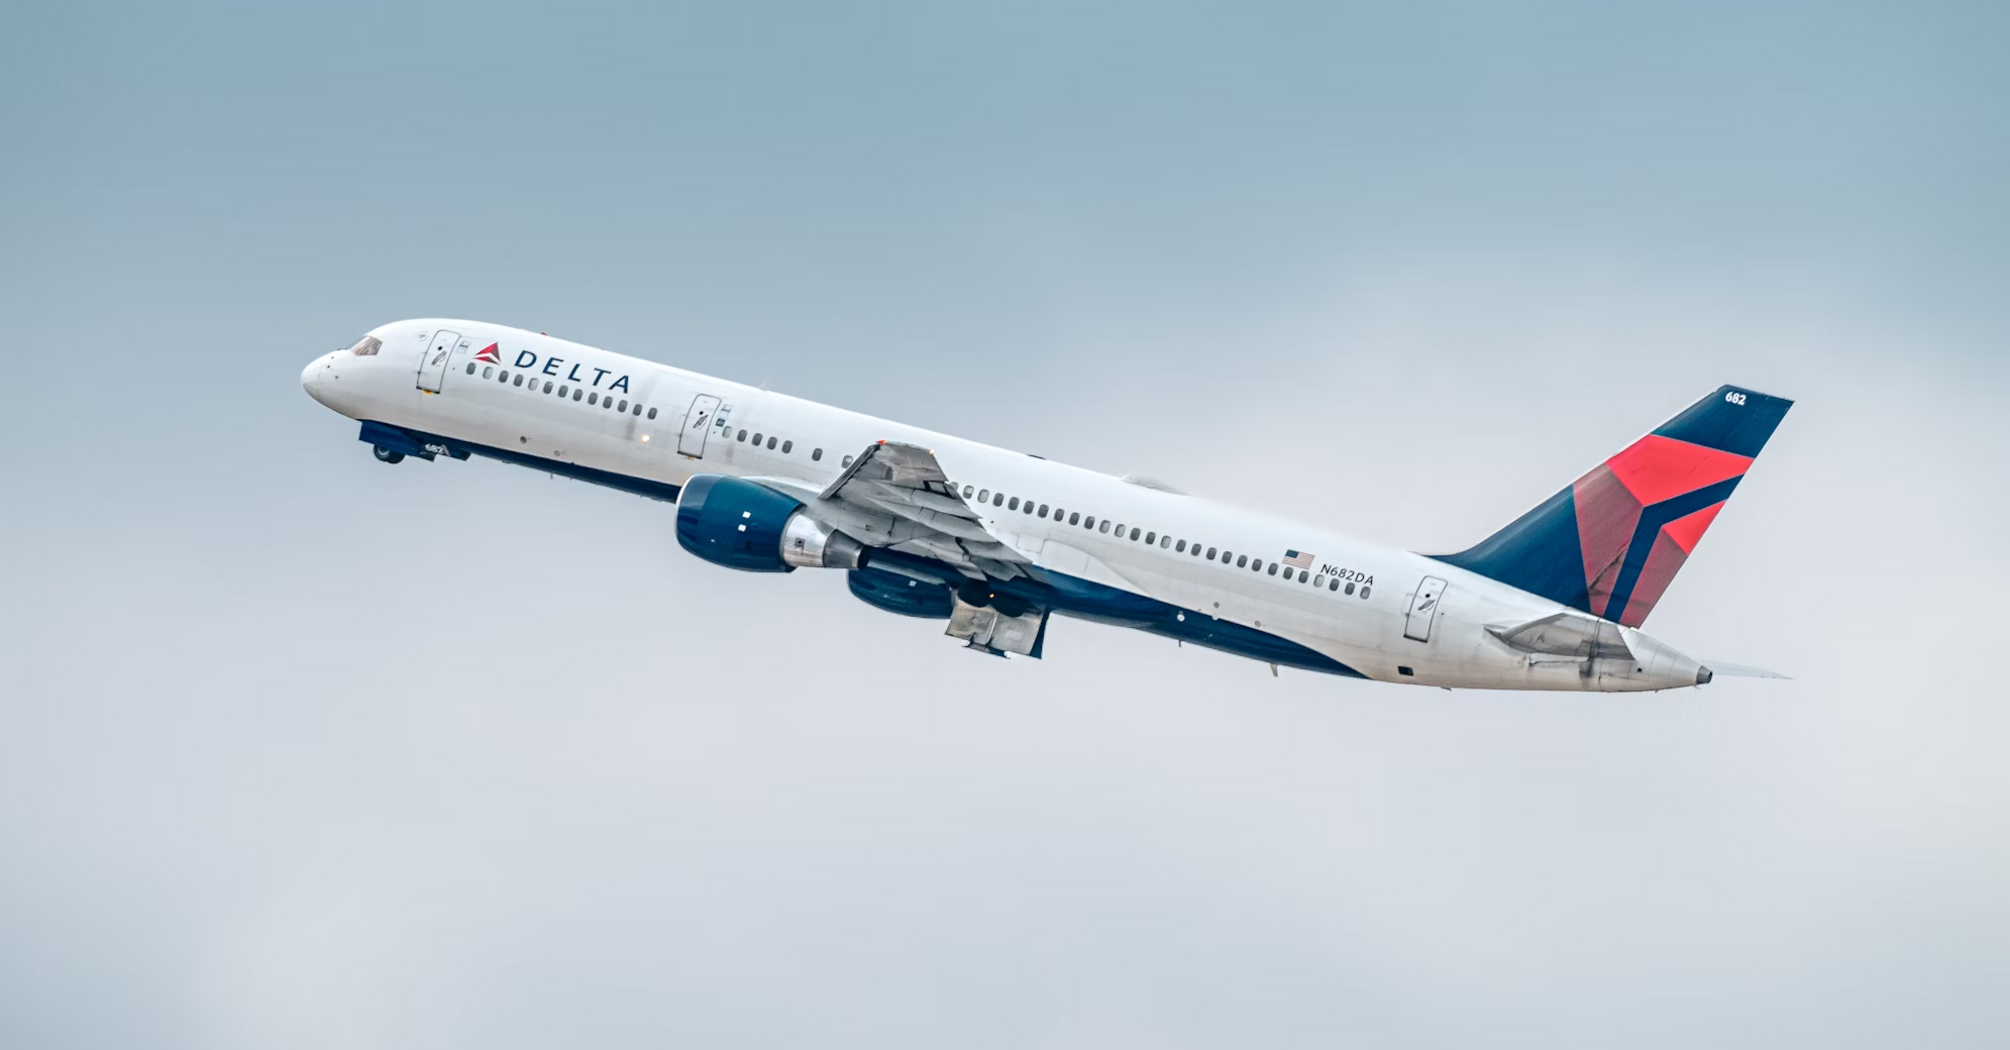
(1612, 542)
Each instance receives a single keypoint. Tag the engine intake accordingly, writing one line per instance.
(753, 528)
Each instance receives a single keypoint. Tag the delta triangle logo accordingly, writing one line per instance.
(488, 354)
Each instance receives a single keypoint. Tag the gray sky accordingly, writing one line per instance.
(299, 750)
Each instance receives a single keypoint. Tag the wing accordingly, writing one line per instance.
(896, 496)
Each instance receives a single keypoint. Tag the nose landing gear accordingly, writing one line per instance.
(386, 455)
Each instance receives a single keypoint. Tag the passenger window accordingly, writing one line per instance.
(1210, 552)
(576, 391)
(1333, 583)
(1043, 510)
(998, 499)
(486, 372)
(652, 412)
(1105, 526)
(1134, 534)
(816, 454)
(786, 446)
(562, 389)
(1014, 505)
(1074, 519)
(1350, 588)
(1304, 576)
(757, 439)
(622, 407)
(1257, 566)
(1151, 538)
(518, 381)
(1028, 508)
(984, 496)
(1364, 590)
(742, 436)
(846, 462)
(966, 492)
(547, 386)
(1181, 549)
(502, 376)
(1273, 568)
(471, 368)
(638, 409)
(1242, 561)
(593, 400)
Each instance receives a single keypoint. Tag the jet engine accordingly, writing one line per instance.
(753, 528)
(901, 594)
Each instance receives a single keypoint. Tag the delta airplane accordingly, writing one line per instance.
(996, 542)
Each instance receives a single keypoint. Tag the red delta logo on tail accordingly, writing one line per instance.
(1657, 483)
(490, 354)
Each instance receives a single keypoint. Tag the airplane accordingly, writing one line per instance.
(997, 542)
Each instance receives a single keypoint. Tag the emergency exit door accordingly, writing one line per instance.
(1424, 609)
(433, 366)
(697, 424)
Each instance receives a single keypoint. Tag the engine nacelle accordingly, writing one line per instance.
(753, 528)
(809, 543)
(900, 594)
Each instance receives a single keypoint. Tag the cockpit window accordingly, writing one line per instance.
(367, 346)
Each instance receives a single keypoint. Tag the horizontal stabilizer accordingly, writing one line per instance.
(1565, 634)
(1744, 671)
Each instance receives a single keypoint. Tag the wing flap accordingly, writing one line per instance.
(906, 483)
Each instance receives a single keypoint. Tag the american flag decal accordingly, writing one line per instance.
(1298, 559)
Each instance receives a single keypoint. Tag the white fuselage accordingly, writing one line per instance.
(1367, 607)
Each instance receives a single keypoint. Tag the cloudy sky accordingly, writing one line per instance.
(300, 750)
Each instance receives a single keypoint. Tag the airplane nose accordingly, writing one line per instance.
(314, 377)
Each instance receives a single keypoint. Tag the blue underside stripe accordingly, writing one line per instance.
(1087, 600)
(417, 440)
(1061, 593)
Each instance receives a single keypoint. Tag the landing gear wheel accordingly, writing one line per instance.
(387, 455)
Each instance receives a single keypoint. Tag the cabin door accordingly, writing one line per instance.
(433, 366)
(1424, 609)
(697, 423)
